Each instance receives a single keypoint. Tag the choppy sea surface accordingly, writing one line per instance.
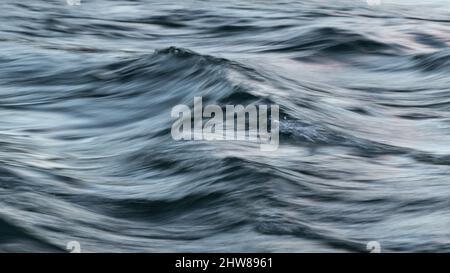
(86, 152)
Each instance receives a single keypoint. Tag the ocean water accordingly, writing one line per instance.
(86, 152)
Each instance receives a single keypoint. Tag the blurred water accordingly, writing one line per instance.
(86, 153)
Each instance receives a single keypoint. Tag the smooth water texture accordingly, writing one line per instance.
(86, 152)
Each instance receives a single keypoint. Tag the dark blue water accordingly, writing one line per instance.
(86, 152)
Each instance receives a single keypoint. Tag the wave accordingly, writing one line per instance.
(86, 152)
(432, 62)
(329, 41)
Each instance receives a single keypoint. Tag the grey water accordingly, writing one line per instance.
(86, 152)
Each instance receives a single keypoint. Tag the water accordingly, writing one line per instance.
(85, 147)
